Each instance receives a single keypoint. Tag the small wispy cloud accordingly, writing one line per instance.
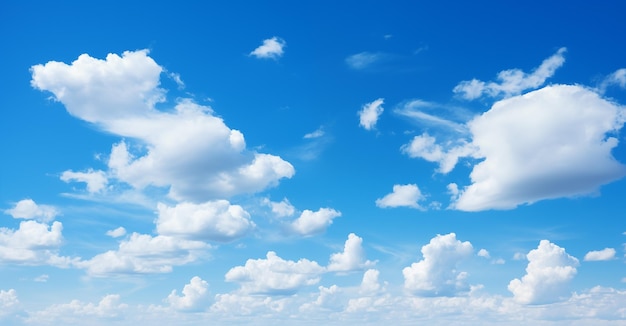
(315, 134)
(272, 48)
(363, 60)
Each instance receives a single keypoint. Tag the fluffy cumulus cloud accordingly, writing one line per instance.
(272, 48)
(436, 274)
(274, 275)
(8, 302)
(402, 196)
(193, 296)
(33, 243)
(598, 255)
(512, 81)
(311, 223)
(209, 221)
(550, 143)
(76, 312)
(185, 148)
(282, 208)
(28, 209)
(549, 271)
(116, 233)
(369, 114)
(143, 253)
(352, 258)
(96, 180)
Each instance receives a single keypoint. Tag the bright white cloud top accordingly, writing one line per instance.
(150, 177)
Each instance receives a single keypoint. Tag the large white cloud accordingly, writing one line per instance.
(212, 221)
(512, 81)
(549, 271)
(272, 48)
(402, 196)
(193, 296)
(369, 114)
(28, 209)
(550, 143)
(143, 253)
(436, 274)
(352, 258)
(274, 275)
(310, 222)
(185, 148)
(33, 243)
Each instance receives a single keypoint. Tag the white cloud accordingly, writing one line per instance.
(8, 302)
(369, 114)
(436, 274)
(310, 222)
(275, 275)
(77, 312)
(616, 78)
(319, 132)
(28, 209)
(185, 148)
(43, 278)
(513, 81)
(116, 233)
(96, 180)
(548, 274)
(414, 109)
(424, 146)
(272, 48)
(534, 148)
(142, 253)
(33, 243)
(604, 254)
(369, 283)
(483, 253)
(402, 196)
(193, 296)
(280, 209)
(362, 60)
(259, 307)
(327, 300)
(352, 258)
(209, 221)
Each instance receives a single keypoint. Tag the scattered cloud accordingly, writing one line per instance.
(447, 155)
(28, 209)
(402, 196)
(116, 233)
(512, 82)
(75, 311)
(272, 48)
(185, 148)
(193, 298)
(43, 278)
(280, 209)
(363, 60)
(599, 255)
(549, 271)
(310, 222)
(414, 110)
(144, 254)
(616, 78)
(209, 221)
(319, 132)
(436, 274)
(352, 258)
(483, 253)
(369, 114)
(275, 275)
(8, 302)
(96, 180)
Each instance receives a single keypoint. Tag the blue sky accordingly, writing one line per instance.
(336, 163)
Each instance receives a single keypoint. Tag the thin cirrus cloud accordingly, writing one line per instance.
(179, 147)
(529, 147)
(363, 60)
(272, 48)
